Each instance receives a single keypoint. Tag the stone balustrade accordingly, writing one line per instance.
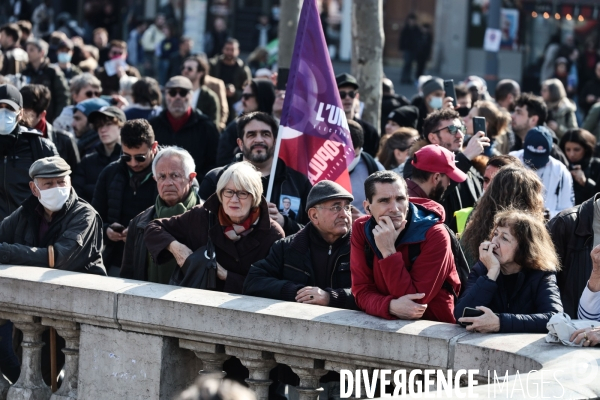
(134, 340)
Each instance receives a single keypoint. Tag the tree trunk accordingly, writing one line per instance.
(288, 25)
(367, 56)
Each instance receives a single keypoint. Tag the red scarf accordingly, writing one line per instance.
(235, 231)
(41, 126)
(178, 123)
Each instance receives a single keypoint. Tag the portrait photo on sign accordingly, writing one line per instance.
(289, 205)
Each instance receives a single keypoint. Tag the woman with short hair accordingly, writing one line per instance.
(396, 148)
(514, 281)
(242, 233)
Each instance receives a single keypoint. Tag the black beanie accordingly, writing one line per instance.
(405, 116)
(264, 90)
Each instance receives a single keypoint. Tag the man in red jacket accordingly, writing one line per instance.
(386, 282)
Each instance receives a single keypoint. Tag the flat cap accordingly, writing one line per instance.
(49, 167)
(179, 81)
(346, 79)
(324, 191)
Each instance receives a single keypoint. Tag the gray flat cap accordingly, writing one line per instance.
(324, 191)
(179, 81)
(49, 167)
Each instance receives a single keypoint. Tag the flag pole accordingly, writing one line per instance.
(274, 164)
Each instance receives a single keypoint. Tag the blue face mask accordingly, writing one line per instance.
(8, 121)
(64, 58)
(436, 103)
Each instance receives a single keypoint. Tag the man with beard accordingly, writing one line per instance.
(125, 188)
(445, 128)
(184, 126)
(256, 139)
(434, 169)
(507, 92)
(531, 111)
(232, 70)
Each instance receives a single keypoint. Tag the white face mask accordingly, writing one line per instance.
(54, 199)
(8, 121)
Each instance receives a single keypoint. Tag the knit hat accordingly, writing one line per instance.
(537, 146)
(326, 190)
(406, 116)
(264, 90)
(431, 86)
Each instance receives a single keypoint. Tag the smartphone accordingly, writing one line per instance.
(470, 312)
(450, 91)
(117, 228)
(479, 125)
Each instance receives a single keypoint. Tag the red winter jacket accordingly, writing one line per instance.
(389, 279)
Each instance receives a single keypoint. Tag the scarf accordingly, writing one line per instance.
(235, 231)
(136, 179)
(161, 273)
(41, 126)
(178, 123)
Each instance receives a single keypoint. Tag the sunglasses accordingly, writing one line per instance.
(247, 96)
(351, 93)
(453, 129)
(138, 157)
(90, 93)
(182, 92)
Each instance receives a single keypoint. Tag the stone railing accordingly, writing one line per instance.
(133, 340)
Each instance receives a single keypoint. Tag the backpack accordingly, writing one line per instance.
(414, 250)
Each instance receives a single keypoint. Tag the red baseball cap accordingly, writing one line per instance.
(435, 158)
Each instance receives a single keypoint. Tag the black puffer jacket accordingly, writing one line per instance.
(75, 232)
(289, 266)
(573, 238)
(87, 172)
(115, 201)
(525, 308)
(19, 150)
(288, 182)
(65, 145)
(199, 136)
(52, 77)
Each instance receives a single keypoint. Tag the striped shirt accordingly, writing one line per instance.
(589, 305)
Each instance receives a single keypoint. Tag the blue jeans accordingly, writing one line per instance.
(9, 362)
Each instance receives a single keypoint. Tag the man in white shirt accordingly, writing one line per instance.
(557, 181)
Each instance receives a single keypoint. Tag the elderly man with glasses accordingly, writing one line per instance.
(184, 126)
(445, 128)
(125, 188)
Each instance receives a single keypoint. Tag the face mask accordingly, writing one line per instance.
(436, 103)
(463, 111)
(8, 121)
(64, 58)
(54, 199)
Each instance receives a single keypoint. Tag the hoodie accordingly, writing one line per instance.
(396, 276)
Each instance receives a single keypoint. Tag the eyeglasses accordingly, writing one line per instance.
(338, 208)
(92, 93)
(351, 93)
(138, 157)
(241, 194)
(247, 96)
(453, 129)
(175, 91)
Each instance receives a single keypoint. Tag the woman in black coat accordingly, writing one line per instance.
(578, 145)
(514, 282)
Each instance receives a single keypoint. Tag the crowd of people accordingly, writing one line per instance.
(107, 172)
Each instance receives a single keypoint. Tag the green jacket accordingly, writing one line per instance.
(208, 103)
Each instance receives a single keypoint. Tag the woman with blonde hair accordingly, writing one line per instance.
(514, 281)
(496, 125)
(561, 109)
(395, 149)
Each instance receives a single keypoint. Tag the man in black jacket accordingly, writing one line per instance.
(40, 71)
(53, 216)
(125, 188)
(575, 233)
(348, 87)
(173, 170)
(257, 133)
(15, 58)
(108, 122)
(183, 126)
(19, 147)
(312, 266)
(36, 100)
(445, 128)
